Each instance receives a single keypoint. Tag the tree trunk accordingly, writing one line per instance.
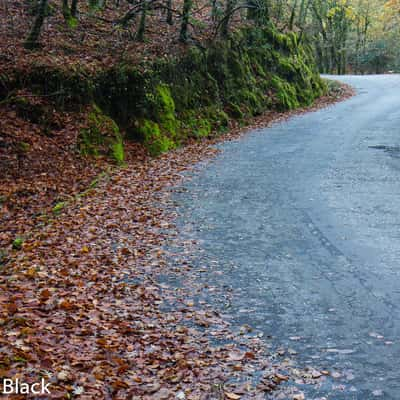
(292, 16)
(214, 10)
(142, 23)
(187, 6)
(230, 4)
(74, 8)
(169, 13)
(279, 14)
(65, 10)
(33, 39)
(251, 11)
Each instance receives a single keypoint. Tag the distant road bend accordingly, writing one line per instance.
(308, 213)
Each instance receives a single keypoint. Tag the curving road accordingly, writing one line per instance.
(303, 220)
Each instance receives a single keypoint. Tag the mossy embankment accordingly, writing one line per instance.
(165, 103)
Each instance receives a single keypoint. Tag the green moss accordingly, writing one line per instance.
(195, 125)
(203, 128)
(59, 207)
(72, 22)
(235, 111)
(320, 86)
(24, 147)
(218, 118)
(286, 95)
(285, 42)
(159, 129)
(287, 69)
(258, 68)
(153, 138)
(117, 151)
(203, 122)
(253, 100)
(305, 95)
(165, 111)
(17, 243)
(94, 5)
(65, 88)
(101, 136)
(162, 103)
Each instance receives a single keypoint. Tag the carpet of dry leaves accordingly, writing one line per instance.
(97, 41)
(80, 302)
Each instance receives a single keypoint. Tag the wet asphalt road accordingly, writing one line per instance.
(303, 221)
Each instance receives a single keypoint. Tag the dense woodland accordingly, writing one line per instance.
(358, 36)
(349, 36)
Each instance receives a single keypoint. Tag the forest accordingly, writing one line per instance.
(358, 36)
(105, 105)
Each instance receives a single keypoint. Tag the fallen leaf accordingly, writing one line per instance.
(232, 396)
